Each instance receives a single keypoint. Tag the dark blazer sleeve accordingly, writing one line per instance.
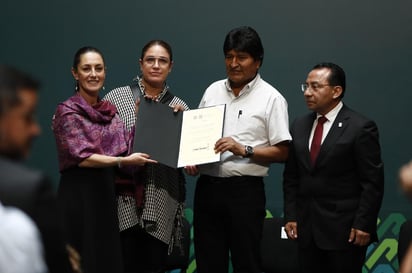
(290, 182)
(371, 177)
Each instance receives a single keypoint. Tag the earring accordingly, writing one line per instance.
(103, 88)
(76, 86)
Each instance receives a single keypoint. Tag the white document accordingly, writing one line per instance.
(201, 128)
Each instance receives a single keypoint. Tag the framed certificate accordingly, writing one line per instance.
(178, 139)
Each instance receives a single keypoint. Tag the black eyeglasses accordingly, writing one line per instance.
(313, 86)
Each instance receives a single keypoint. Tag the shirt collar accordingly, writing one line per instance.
(331, 115)
(249, 86)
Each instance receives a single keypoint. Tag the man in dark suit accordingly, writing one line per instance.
(21, 187)
(333, 188)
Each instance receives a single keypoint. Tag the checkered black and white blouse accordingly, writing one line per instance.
(165, 186)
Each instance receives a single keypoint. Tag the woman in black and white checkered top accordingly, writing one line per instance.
(150, 210)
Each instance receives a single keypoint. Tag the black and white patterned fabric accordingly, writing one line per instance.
(164, 190)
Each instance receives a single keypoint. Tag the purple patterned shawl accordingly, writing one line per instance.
(82, 130)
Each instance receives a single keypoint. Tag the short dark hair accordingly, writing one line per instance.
(244, 39)
(162, 43)
(337, 75)
(12, 81)
(83, 50)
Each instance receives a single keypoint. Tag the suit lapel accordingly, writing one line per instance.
(337, 129)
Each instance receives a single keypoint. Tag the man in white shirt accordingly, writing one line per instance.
(229, 206)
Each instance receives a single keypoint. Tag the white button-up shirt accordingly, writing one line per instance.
(257, 117)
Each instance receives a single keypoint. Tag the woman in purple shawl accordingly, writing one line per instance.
(91, 140)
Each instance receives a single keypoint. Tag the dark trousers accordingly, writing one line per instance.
(142, 253)
(228, 218)
(312, 259)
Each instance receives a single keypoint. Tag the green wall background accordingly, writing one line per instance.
(371, 40)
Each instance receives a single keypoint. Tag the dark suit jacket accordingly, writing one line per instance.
(32, 192)
(344, 189)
